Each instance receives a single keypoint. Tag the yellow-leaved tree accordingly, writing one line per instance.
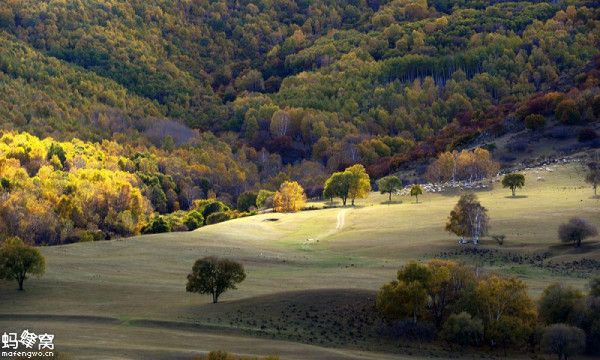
(360, 183)
(289, 198)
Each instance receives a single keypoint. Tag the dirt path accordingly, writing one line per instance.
(341, 219)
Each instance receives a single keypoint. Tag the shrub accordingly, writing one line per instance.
(462, 329)
(563, 340)
(246, 201)
(218, 217)
(566, 111)
(499, 239)
(576, 230)
(557, 303)
(213, 207)
(508, 331)
(157, 225)
(194, 220)
(535, 122)
(264, 198)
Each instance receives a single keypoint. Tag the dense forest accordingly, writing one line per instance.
(177, 101)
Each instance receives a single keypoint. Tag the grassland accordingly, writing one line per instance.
(311, 279)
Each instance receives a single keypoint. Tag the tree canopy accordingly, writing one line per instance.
(214, 276)
(513, 182)
(19, 260)
(389, 185)
(468, 218)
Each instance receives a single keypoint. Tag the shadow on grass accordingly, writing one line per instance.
(570, 248)
(517, 197)
(393, 202)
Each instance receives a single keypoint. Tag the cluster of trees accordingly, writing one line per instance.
(466, 165)
(57, 192)
(571, 319)
(464, 308)
(469, 309)
(352, 183)
(330, 83)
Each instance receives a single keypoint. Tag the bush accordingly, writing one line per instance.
(462, 329)
(194, 220)
(576, 230)
(218, 217)
(535, 122)
(157, 225)
(557, 303)
(563, 340)
(499, 239)
(246, 201)
(566, 111)
(508, 331)
(213, 207)
(265, 199)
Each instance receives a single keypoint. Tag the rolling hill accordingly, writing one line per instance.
(311, 280)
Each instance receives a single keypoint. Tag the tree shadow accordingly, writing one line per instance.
(393, 202)
(570, 248)
(516, 197)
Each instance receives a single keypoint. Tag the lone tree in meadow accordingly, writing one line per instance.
(18, 260)
(389, 185)
(211, 275)
(513, 182)
(468, 218)
(593, 175)
(289, 198)
(576, 230)
(415, 191)
(563, 340)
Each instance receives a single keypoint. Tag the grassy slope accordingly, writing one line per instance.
(129, 282)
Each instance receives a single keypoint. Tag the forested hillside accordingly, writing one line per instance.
(245, 94)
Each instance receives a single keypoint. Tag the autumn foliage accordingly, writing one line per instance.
(289, 198)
